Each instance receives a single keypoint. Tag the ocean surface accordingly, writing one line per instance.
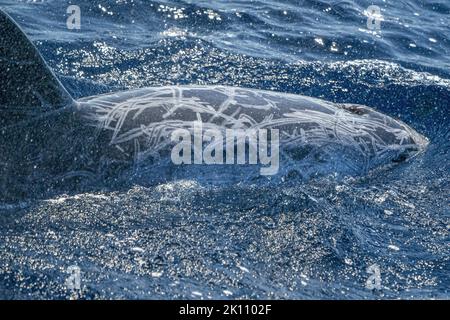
(382, 236)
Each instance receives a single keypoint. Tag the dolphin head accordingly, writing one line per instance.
(391, 139)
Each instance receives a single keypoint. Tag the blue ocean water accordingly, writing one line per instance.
(321, 239)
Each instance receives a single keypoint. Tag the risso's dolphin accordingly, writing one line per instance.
(49, 141)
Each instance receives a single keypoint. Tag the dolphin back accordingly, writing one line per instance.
(28, 86)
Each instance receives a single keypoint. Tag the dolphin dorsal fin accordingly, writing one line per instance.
(28, 88)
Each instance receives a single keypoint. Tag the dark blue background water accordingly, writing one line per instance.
(184, 240)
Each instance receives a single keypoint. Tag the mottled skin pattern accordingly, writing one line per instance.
(317, 137)
(50, 143)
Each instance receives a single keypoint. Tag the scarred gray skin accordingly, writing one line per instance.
(51, 143)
